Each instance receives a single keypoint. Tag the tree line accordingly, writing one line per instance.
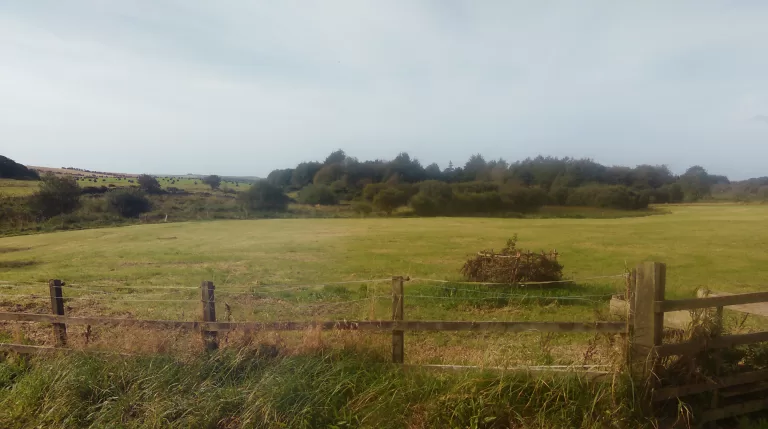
(481, 186)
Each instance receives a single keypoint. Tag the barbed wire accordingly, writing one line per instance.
(518, 283)
(501, 294)
(522, 297)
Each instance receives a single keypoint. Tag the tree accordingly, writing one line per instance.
(149, 184)
(128, 202)
(263, 195)
(279, 178)
(336, 157)
(317, 194)
(389, 199)
(10, 169)
(213, 181)
(57, 195)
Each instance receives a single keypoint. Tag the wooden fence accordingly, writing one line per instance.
(644, 326)
(647, 309)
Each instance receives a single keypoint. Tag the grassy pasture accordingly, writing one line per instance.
(257, 265)
(13, 187)
(341, 379)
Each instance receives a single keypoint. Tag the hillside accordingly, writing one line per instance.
(10, 169)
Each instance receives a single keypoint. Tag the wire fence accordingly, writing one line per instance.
(277, 291)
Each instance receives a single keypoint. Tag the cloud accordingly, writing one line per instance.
(243, 87)
(760, 118)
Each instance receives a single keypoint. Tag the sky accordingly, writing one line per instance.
(244, 87)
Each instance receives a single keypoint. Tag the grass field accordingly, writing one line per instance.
(12, 187)
(270, 270)
(254, 262)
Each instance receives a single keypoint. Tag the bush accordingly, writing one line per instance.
(128, 202)
(57, 195)
(434, 198)
(264, 196)
(213, 181)
(521, 199)
(149, 184)
(362, 208)
(616, 197)
(317, 194)
(512, 265)
(389, 199)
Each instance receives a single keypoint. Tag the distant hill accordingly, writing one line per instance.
(10, 169)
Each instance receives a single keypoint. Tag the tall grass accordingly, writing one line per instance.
(324, 389)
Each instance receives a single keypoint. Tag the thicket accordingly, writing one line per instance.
(10, 169)
(481, 186)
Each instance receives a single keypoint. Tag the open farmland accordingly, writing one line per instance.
(272, 270)
(256, 265)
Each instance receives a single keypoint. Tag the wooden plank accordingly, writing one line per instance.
(57, 308)
(662, 306)
(734, 410)
(691, 347)
(209, 315)
(722, 382)
(744, 389)
(398, 335)
(367, 325)
(649, 325)
(27, 349)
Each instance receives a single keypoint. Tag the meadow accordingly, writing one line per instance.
(281, 269)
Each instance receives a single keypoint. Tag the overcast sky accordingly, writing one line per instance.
(243, 87)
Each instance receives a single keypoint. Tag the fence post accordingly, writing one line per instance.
(57, 308)
(398, 339)
(209, 315)
(648, 330)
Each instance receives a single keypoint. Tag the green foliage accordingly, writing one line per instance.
(57, 195)
(213, 181)
(263, 195)
(390, 198)
(149, 184)
(363, 208)
(434, 198)
(10, 169)
(280, 178)
(617, 197)
(128, 202)
(336, 389)
(317, 194)
(328, 174)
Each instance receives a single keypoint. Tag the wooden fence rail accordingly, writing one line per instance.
(645, 328)
(648, 349)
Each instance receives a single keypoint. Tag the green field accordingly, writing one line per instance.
(12, 187)
(271, 270)
(252, 262)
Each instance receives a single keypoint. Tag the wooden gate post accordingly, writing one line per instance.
(57, 308)
(398, 340)
(209, 315)
(648, 329)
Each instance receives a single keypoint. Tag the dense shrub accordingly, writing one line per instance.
(362, 207)
(128, 202)
(390, 198)
(434, 198)
(213, 181)
(317, 194)
(616, 197)
(149, 184)
(264, 196)
(57, 195)
(10, 169)
(522, 199)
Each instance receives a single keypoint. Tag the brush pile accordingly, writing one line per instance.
(512, 265)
